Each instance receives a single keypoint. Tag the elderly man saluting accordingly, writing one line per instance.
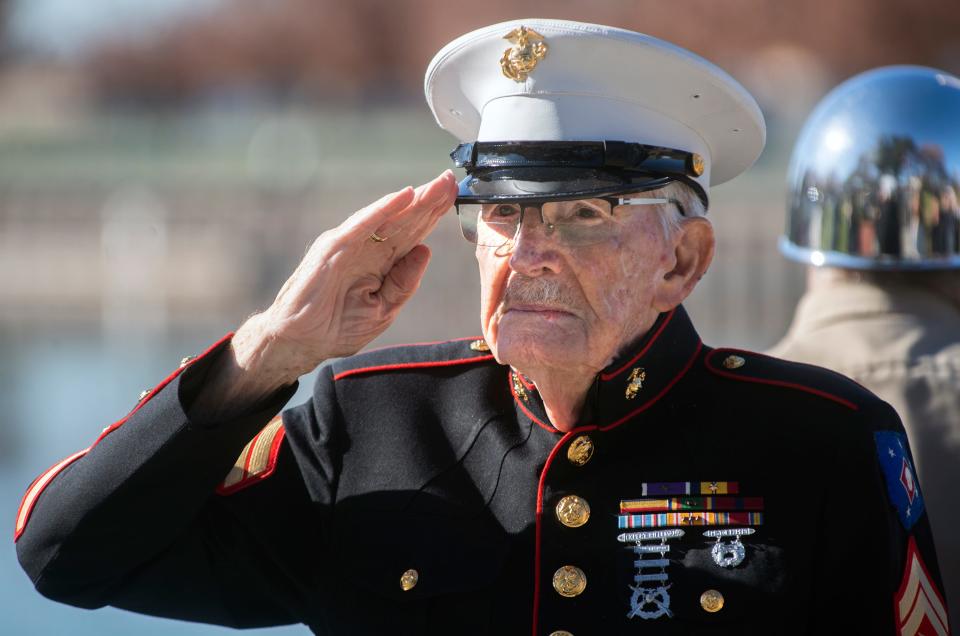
(587, 467)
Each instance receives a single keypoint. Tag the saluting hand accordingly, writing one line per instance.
(347, 290)
(354, 279)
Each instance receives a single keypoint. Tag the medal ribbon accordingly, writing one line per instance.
(667, 488)
(691, 503)
(673, 519)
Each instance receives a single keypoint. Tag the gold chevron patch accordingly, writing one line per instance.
(257, 460)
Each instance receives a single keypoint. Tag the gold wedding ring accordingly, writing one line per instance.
(376, 238)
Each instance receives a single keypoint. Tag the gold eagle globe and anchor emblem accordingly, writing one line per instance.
(635, 382)
(520, 59)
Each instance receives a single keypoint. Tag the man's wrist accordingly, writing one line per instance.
(263, 360)
(255, 366)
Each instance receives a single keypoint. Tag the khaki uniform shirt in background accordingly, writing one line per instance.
(903, 344)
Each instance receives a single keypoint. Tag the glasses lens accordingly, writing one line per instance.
(489, 224)
(581, 222)
(574, 223)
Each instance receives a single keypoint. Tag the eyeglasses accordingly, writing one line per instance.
(573, 223)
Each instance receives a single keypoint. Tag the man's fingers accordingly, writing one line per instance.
(404, 277)
(415, 228)
(369, 218)
(429, 199)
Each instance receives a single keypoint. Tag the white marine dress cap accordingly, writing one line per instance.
(553, 109)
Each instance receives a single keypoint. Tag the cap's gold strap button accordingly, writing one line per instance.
(733, 362)
(569, 581)
(580, 450)
(187, 360)
(561, 632)
(573, 511)
(408, 580)
(696, 164)
(711, 601)
(143, 394)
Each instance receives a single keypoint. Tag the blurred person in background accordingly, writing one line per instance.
(588, 466)
(873, 211)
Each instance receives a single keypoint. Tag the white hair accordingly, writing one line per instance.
(671, 217)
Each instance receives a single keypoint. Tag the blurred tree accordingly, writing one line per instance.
(366, 48)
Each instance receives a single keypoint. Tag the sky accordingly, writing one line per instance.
(66, 28)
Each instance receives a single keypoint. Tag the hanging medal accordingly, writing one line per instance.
(728, 554)
(651, 597)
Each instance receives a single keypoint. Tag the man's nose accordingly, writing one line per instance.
(534, 250)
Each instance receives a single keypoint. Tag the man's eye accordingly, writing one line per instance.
(503, 213)
(586, 213)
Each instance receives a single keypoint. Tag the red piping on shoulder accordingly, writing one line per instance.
(646, 348)
(423, 344)
(539, 519)
(781, 383)
(38, 485)
(409, 365)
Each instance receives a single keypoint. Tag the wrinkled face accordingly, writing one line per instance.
(546, 305)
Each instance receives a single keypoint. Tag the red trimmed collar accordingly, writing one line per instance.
(633, 382)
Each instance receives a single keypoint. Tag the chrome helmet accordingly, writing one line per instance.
(874, 178)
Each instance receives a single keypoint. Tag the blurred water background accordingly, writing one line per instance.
(165, 163)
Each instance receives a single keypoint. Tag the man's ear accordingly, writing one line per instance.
(693, 245)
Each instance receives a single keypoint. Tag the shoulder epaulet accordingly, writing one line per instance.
(421, 355)
(257, 460)
(748, 366)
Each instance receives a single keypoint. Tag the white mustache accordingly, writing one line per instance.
(539, 291)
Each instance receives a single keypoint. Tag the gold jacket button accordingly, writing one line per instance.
(580, 450)
(711, 601)
(733, 362)
(561, 632)
(143, 394)
(573, 511)
(408, 580)
(569, 581)
(187, 361)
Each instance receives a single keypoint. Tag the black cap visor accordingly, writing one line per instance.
(556, 171)
(551, 184)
